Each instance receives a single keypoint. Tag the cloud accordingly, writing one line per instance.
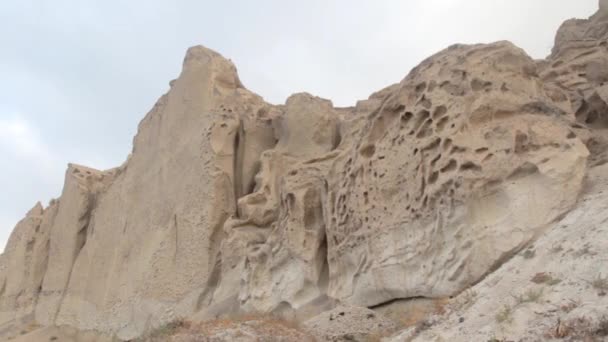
(21, 140)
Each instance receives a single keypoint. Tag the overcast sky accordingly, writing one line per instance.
(77, 76)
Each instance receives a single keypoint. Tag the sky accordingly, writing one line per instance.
(76, 77)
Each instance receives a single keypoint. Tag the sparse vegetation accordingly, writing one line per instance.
(530, 296)
(557, 249)
(541, 278)
(463, 301)
(545, 278)
(165, 330)
(586, 250)
(600, 283)
(423, 325)
(505, 315)
(529, 254)
(554, 281)
(258, 324)
(469, 297)
(414, 315)
(603, 327)
(580, 329)
(494, 339)
(571, 305)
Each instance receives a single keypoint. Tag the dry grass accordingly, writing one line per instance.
(530, 296)
(267, 320)
(463, 301)
(416, 316)
(505, 315)
(260, 324)
(600, 283)
(164, 331)
(580, 329)
(412, 318)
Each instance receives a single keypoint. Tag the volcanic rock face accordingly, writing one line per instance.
(577, 74)
(229, 204)
(457, 169)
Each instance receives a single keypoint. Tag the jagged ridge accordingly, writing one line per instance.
(229, 204)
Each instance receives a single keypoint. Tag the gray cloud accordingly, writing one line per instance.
(77, 76)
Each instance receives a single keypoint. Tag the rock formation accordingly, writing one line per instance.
(230, 205)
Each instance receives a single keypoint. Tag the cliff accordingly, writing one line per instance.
(229, 205)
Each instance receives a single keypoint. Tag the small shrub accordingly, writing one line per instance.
(504, 315)
(579, 329)
(557, 249)
(541, 278)
(600, 283)
(529, 254)
(494, 339)
(586, 250)
(603, 327)
(531, 296)
(545, 278)
(554, 281)
(571, 305)
(423, 325)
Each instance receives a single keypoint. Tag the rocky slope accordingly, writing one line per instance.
(437, 195)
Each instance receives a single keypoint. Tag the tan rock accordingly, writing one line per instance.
(458, 169)
(159, 225)
(576, 74)
(68, 233)
(277, 241)
(23, 266)
(228, 204)
(545, 293)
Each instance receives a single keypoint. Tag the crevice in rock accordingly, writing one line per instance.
(85, 219)
(176, 228)
(43, 271)
(238, 161)
(81, 240)
(215, 275)
(323, 283)
(337, 140)
(395, 300)
(3, 289)
(206, 297)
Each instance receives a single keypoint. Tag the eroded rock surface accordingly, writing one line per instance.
(230, 205)
(576, 74)
(459, 167)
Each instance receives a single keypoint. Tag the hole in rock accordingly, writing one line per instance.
(524, 170)
(470, 166)
(368, 151)
(440, 112)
